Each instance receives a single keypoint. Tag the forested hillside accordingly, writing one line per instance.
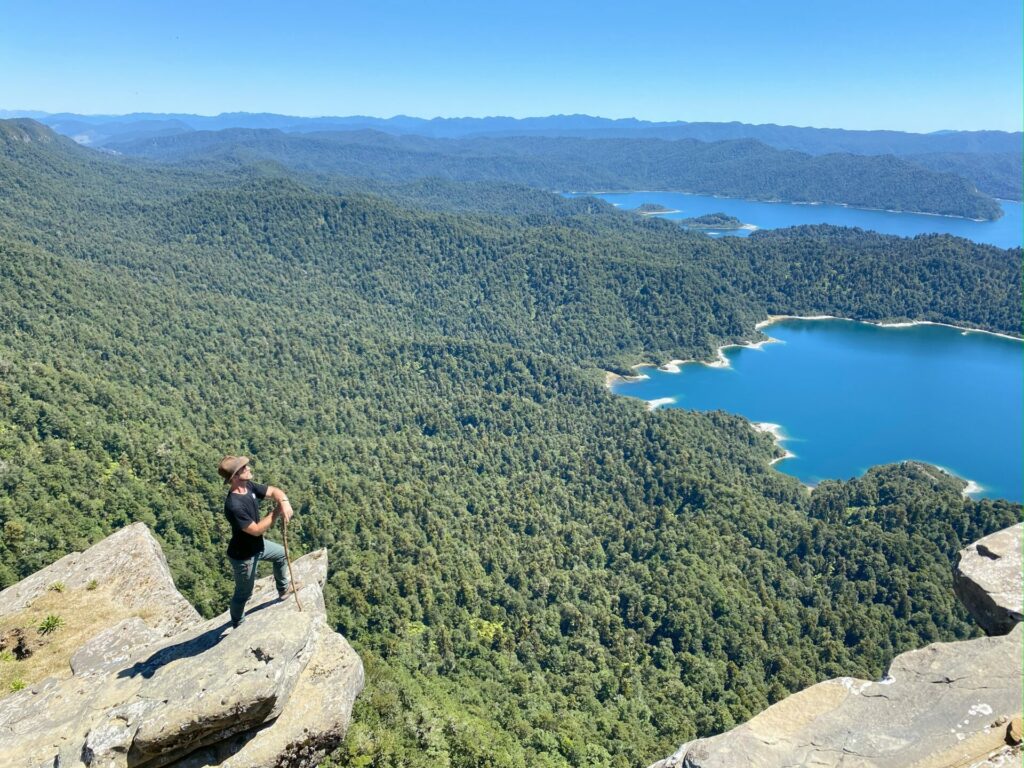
(743, 168)
(990, 160)
(535, 572)
(996, 174)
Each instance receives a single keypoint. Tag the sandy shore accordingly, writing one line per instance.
(655, 213)
(658, 402)
(972, 488)
(775, 430)
(614, 378)
(772, 319)
(674, 366)
(897, 210)
(720, 361)
(964, 331)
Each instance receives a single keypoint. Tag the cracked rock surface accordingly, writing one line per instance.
(948, 705)
(277, 691)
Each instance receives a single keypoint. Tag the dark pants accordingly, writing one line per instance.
(245, 576)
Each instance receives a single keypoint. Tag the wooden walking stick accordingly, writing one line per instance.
(291, 576)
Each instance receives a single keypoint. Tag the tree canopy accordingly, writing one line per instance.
(535, 572)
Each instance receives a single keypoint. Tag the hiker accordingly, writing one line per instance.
(247, 546)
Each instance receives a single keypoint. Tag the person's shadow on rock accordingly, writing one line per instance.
(194, 646)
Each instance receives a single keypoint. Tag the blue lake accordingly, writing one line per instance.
(1005, 232)
(848, 396)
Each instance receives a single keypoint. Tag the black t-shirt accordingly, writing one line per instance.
(242, 509)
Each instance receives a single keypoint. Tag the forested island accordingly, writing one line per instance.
(652, 208)
(534, 571)
(712, 221)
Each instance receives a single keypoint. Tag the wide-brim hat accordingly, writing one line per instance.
(230, 466)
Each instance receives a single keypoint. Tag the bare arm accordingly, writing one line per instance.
(264, 525)
(284, 507)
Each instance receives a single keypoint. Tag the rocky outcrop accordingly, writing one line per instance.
(128, 564)
(939, 706)
(948, 705)
(988, 580)
(277, 691)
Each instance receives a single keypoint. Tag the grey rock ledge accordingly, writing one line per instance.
(175, 690)
(948, 705)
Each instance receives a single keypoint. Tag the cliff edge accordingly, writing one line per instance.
(949, 705)
(153, 684)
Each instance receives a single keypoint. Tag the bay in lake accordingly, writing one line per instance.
(851, 395)
(1005, 232)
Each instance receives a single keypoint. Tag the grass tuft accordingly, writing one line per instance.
(50, 624)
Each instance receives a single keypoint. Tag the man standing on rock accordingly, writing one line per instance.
(247, 546)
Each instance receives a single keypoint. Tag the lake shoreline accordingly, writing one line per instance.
(776, 200)
(772, 319)
(775, 430)
(721, 361)
(971, 487)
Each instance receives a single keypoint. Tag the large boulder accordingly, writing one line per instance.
(277, 691)
(313, 722)
(948, 704)
(945, 706)
(988, 580)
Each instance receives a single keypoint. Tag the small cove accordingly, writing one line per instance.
(848, 395)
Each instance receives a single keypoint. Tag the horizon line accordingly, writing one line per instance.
(13, 113)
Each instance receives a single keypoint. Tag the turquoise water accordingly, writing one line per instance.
(850, 395)
(1005, 232)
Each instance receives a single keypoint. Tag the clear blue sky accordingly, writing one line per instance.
(900, 64)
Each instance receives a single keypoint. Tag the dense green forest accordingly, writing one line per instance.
(534, 571)
(997, 174)
(990, 160)
(743, 168)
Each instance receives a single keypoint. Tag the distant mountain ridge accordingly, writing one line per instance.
(742, 168)
(991, 160)
(104, 128)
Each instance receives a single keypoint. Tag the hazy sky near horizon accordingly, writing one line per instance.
(901, 64)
